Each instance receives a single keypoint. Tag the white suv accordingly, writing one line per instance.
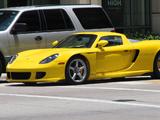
(23, 28)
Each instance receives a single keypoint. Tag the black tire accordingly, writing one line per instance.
(156, 67)
(77, 71)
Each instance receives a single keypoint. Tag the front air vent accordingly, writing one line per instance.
(19, 75)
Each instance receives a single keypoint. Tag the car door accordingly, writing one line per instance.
(115, 56)
(28, 35)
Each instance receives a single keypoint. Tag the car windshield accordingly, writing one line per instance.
(6, 18)
(77, 41)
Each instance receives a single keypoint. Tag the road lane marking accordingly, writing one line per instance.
(82, 100)
(110, 88)
(97, 88)
(133, 83)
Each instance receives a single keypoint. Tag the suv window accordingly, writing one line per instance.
(6, 18)
(92, 18)
(113, 40)
(57, 19)
(31, 19)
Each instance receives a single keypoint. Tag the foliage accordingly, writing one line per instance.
(140, 36)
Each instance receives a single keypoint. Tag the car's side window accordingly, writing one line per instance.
(113, 40)
(32, 21)
(57, 20)
(92, 18)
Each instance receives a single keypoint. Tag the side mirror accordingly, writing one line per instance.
(19, 27)
(102, 43)
(55, 43)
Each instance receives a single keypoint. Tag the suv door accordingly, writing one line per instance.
(58, 25)
(28, 34)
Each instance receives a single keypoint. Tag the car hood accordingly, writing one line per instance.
(40, 54)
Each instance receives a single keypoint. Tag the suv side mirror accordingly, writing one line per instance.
(54, 43)
(19, 27)
(102, 43)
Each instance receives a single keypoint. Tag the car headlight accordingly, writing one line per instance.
(49, 59)
(12, 59)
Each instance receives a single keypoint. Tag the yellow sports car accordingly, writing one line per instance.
(86, 56)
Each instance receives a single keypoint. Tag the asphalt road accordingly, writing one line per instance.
(126, 99)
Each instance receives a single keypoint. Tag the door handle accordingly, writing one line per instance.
(38, 38)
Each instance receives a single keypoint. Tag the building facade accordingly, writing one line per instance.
(127, 15)
(156, 16)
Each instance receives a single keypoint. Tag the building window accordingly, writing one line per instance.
(129, 15)
(11, 3)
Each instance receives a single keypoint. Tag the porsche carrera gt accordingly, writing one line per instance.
(86, 56)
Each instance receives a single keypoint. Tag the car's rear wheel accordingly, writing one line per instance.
(77, 71)
(156, 67)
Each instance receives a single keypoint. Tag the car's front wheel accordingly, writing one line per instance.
(156, 67)
(77, 71)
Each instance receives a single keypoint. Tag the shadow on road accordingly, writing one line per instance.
(62, 83)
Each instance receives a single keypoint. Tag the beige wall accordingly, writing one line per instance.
(69, 1)
(3, 3)
(98, 2)
(156, 16)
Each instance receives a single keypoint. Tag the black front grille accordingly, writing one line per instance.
(19, 75)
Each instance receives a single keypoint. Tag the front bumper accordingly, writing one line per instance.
(25, 75)
(33, 74)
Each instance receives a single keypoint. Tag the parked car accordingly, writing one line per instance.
(23, 28)
(86, 56)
